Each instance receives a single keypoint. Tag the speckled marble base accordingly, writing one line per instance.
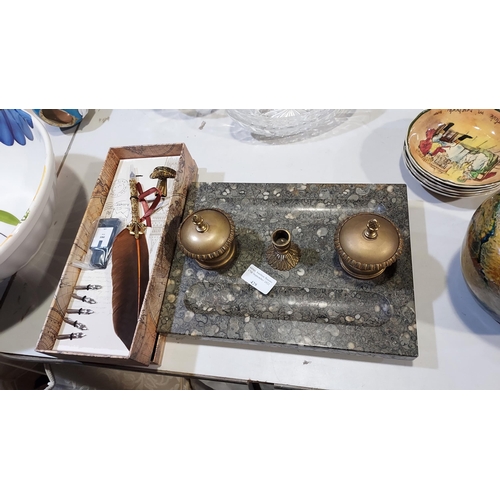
(315, 304)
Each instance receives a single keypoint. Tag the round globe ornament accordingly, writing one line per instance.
(480, 256)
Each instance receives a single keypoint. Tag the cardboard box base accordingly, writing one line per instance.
(145, 336)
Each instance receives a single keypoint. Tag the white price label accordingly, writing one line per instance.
(258, 279)
(102, 237)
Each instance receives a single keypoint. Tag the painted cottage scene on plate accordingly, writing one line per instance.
(459, 146)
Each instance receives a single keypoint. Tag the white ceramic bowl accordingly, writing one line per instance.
(28, 188)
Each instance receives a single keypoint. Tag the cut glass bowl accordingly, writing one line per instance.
(287, 122)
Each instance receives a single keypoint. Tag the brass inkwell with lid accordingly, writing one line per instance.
(367, 244)
(208, 236)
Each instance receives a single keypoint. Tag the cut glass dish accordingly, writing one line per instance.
(288, 122)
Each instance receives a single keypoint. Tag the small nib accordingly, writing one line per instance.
(71, 336)
(88, 287)
(80, 311)
(76, 324)
(88, 300)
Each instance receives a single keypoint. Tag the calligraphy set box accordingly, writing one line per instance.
(108, 301)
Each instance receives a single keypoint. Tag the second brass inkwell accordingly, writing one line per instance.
(367, 244)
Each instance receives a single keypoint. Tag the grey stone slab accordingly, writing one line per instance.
(315, 305)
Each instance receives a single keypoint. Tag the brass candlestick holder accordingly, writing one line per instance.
(283, 254)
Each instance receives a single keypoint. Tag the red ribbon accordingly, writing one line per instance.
(148, 209)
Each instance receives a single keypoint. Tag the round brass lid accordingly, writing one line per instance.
(367, 243)
(206, 234)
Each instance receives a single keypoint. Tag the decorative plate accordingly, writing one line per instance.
(460, 146)
(440, 186)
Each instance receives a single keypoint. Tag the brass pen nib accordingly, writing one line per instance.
(88, 287)
(76, 324)
(88, 300)
(80, 311)
(71, 336)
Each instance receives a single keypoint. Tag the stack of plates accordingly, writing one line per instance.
(455, 152)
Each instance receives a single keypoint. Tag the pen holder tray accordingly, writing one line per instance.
(315, 305)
